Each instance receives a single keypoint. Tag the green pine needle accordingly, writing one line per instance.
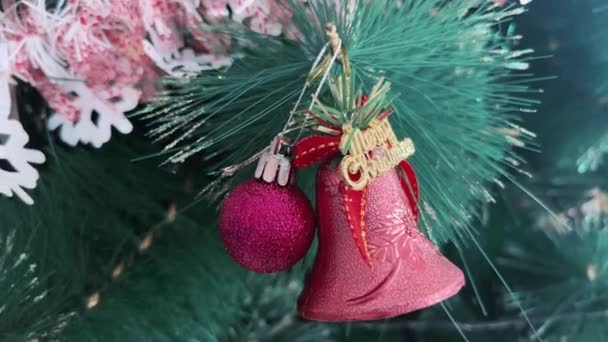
(188, 289)
(564, 274)
(347, 109)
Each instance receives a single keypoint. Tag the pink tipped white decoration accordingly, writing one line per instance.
(263, 16)
(5, 81)
(164, 44)
(28, 28)
(93, 61)
(122, 45)
(185, 62)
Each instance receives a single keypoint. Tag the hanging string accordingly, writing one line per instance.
(319, 67)
(306, 86)
(336, 44)
(339, 54)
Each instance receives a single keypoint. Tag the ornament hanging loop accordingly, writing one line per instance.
(336, 44)
(337, 47)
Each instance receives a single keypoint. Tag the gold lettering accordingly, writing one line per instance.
(368, 155)
(392, 138)
(350, 164)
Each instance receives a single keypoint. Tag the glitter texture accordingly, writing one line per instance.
(266, 227)
(408, 271)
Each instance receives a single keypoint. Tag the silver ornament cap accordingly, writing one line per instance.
(275, 164)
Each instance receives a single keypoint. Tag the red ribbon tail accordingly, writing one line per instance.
(409, 183)
(354, 205)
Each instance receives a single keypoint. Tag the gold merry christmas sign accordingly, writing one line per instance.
(371, 152)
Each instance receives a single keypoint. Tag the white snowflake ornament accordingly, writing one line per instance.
(99, 112)
(16, 171)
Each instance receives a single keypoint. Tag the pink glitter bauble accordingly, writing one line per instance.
(267, 227)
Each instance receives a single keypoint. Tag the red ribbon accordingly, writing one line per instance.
(314, 149)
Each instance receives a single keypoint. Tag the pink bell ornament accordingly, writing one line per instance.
(407, 271)
(372, 262)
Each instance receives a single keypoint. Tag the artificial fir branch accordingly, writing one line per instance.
(564, 257)
(594, 156)
(58, 254)
(503, 324)
(450, 63)
(144, 244)
(186, 287)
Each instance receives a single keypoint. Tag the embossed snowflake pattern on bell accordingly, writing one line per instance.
(406, 273)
